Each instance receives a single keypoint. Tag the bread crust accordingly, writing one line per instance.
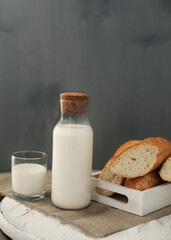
(108, 176)
(163, 169)
(145, 182)
(163, 148)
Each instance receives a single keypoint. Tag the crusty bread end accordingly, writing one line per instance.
(145, 182)
(165, 171)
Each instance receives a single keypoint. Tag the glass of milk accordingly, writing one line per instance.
(29, 175)
(72, 154)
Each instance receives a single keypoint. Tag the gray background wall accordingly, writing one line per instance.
(117, 51)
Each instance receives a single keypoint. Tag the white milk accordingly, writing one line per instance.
(28, 178)
(72, 165)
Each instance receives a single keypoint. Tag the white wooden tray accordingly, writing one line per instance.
(131, 200)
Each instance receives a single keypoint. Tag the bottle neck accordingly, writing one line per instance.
(74, 119)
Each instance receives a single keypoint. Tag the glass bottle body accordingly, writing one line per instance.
(72, 162)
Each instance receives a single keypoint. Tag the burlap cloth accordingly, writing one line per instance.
(97, 220)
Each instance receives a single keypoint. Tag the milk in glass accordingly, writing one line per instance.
(28, 178)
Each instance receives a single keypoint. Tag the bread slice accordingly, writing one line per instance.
(126, 145)
(141, 158)
(108, 176)
(147, 181)
(165, 171)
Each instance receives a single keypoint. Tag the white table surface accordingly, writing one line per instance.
(21, 223)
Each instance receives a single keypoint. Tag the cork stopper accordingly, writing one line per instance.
(73, 103)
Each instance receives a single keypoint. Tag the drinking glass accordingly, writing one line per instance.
(29, 175)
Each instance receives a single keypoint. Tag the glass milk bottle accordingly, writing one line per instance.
(72, 154)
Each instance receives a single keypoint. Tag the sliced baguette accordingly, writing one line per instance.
(142, 183)
(126, 145)
(141, 158)
(165, 171)
(108, 176)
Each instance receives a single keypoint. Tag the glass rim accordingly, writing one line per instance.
(43, 155)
